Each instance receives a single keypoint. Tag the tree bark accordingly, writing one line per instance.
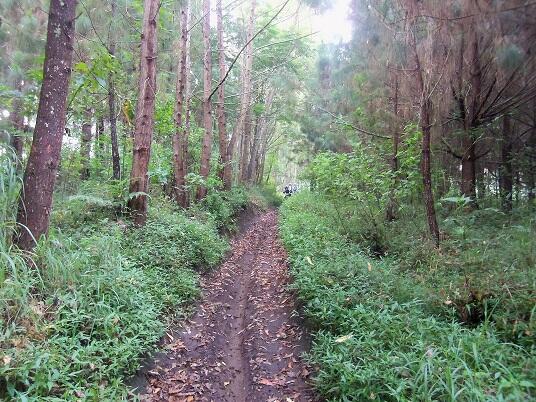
(225, 162)
(99, 143)
(392, 208)
(144, 126)
(425, 117)
(468, 183)
(258, 145)
(206, 150)
(247, 89)
(35, 204)
(180, 136)
(85, 146)
(506, 178)
(116, 161)
(238, 126)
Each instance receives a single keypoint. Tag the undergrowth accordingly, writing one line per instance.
(381, 333)
(97, 294)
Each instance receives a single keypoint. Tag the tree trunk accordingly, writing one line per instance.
(468, 183)
(226, 169)
(99, 135)
(206, 150)
(392, 208)
(144, 126)
(481, 179)
(116, 162)
(506, 178)
(237, 128)
(180, 136)
(85, 146)
(426, 110)
(35, 204)
(257, 145)
(253, 149)
(247, 88)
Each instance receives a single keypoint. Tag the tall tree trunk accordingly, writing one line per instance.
(206, 150)
(180, 135)
(468, 183)
(481, 179)
(247, 88)
(425, 117)
(392, 209)
(226, 169)
(99, 135)
(35, 204)
(116, 162)
(144, 126)
(253, 150)
(506, 178)
(85, 145)
(238, 126)
(257, 145)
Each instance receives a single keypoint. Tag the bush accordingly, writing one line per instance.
(222, 207)
(376, 339)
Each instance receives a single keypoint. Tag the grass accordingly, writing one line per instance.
(377, 337)
(98, 293)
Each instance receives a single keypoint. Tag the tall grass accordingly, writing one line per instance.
(376, 337)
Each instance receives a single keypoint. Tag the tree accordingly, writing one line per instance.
(225, 158)
(35, 203)
(180, 136)
(245, 117)
(116, 163)
(206, 150)
(143, 131)
(425, 102)
(85, 145)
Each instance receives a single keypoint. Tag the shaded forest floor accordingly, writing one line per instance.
(244, 341)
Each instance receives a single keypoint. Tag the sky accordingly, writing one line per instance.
(333, 25)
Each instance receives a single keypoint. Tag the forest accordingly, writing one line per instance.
(267, 200)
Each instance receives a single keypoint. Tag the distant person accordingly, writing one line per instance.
(287, 192)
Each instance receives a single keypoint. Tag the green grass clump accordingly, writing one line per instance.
(95, 296)
(75, 322)
(221, 207)
(375, 336)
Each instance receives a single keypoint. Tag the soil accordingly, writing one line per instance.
(244, 342)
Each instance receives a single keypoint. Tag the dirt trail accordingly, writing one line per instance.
(244, 341)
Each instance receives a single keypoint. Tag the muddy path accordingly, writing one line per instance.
(244, 342)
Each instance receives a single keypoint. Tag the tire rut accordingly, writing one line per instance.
(244, 343)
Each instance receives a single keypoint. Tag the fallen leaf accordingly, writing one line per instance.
(344, 338)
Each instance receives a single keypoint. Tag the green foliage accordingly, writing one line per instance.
(221, 207)
(170, 240)
(265, 196)
(98, 293)
(377, 338)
